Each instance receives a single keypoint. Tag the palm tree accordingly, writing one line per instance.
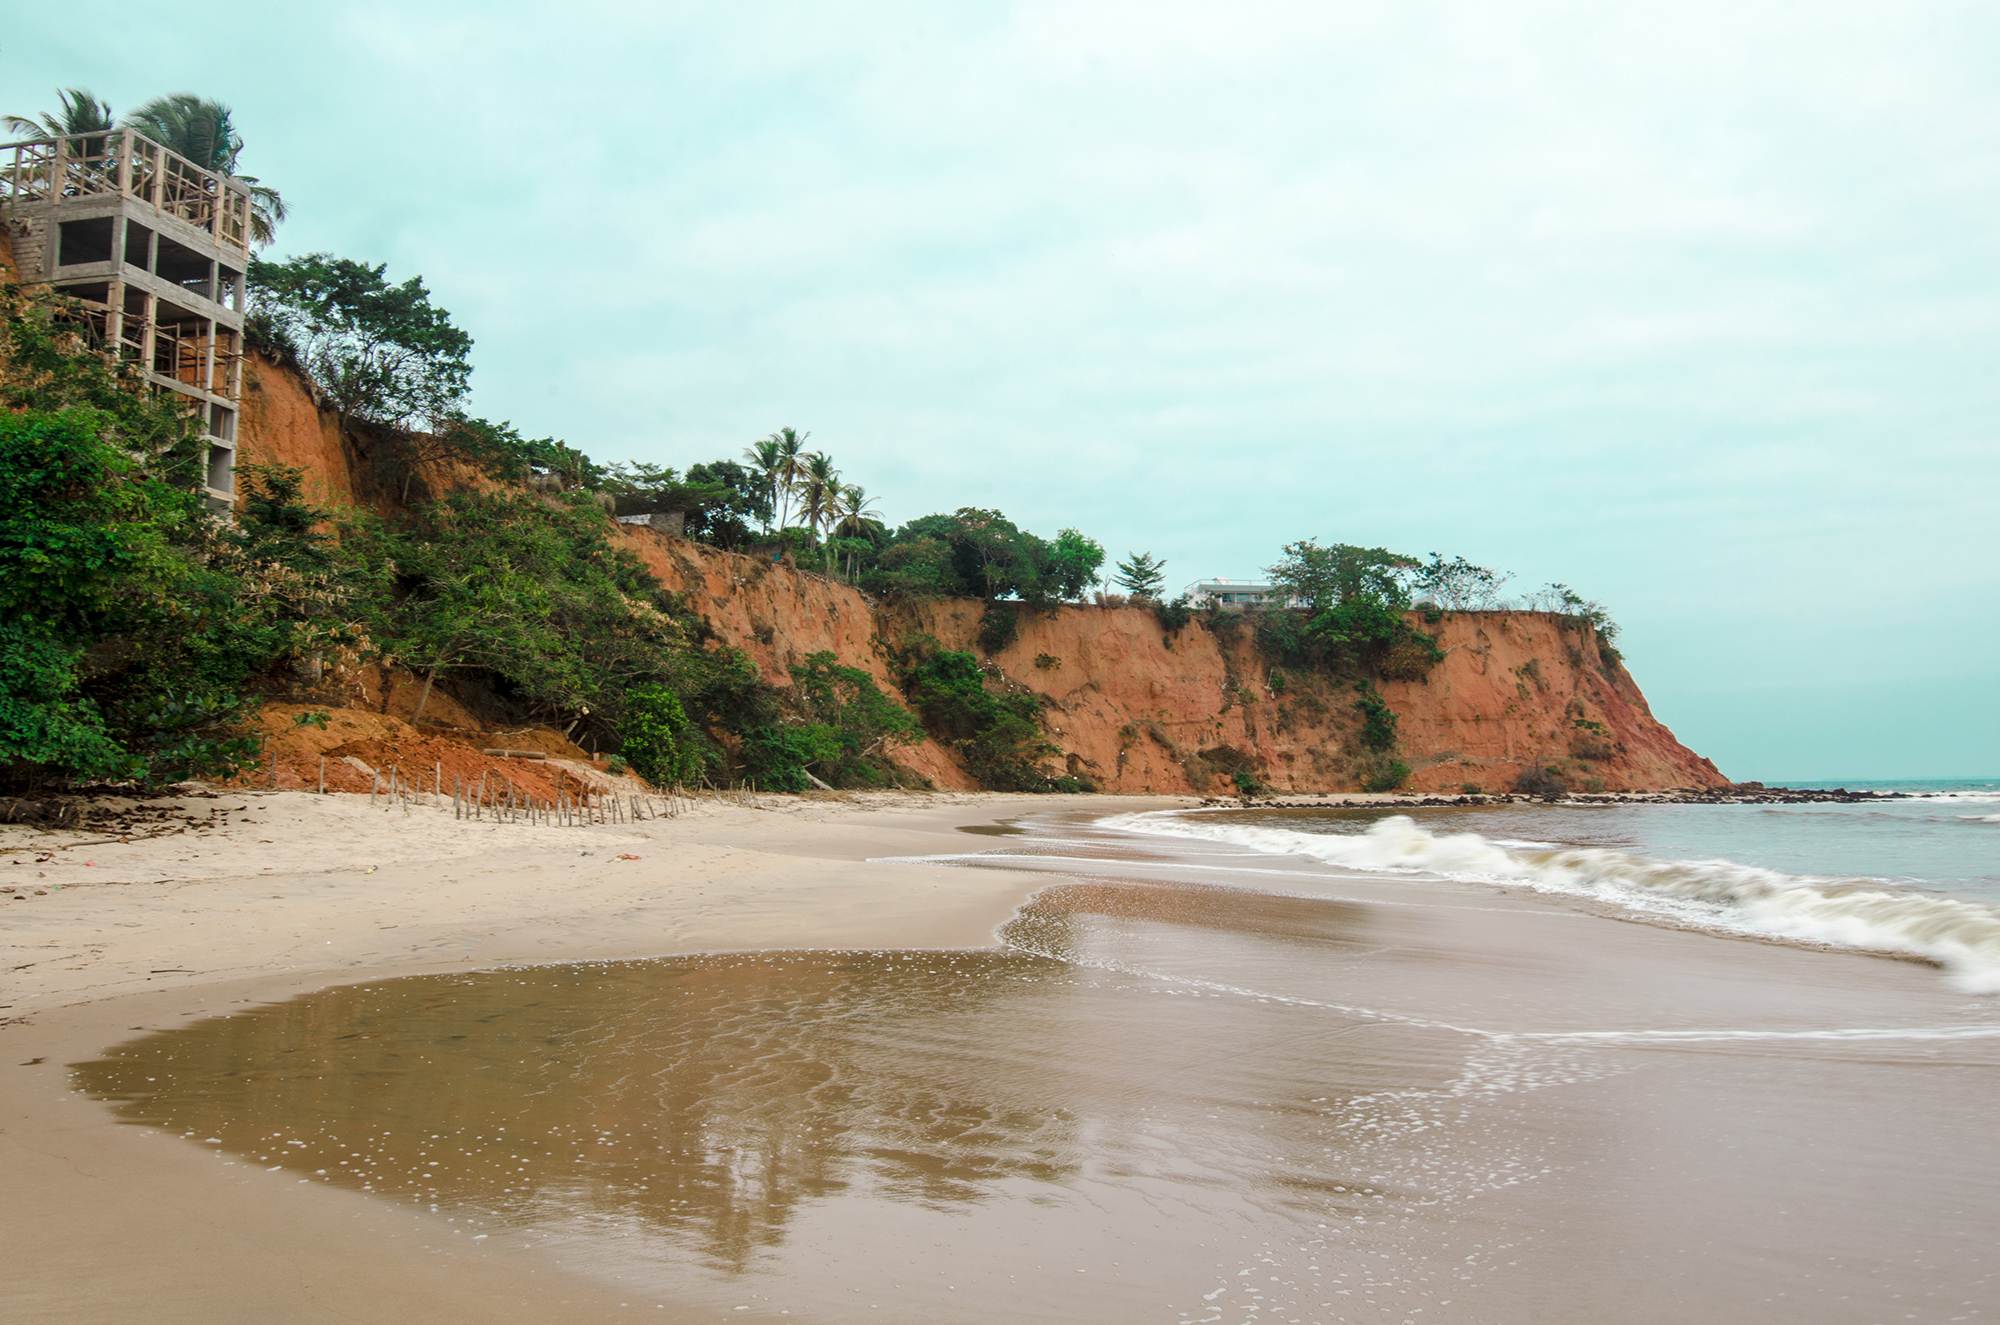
(81, 113)
(765, 463)
(791, 467)
(855, 508)
(84, 121)
(202, 131)
(819, 491)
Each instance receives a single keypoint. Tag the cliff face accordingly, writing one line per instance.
(279, 424)
(1137, 712)
(1128, 707)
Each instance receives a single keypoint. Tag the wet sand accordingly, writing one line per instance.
(1306, 1095)
(299, 892)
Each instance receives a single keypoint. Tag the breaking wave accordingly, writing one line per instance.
(1962, 935)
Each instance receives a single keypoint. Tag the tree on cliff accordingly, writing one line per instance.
(1318, 578)
(1458, 585)
(1344, 612)
(1141, 575)
(777, 463)
(380, 352)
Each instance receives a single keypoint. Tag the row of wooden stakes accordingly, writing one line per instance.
(500, 801)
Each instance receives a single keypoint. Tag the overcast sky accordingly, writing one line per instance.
(1693, 307)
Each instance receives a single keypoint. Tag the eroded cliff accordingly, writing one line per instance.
(1137, 711)
(1128, 706)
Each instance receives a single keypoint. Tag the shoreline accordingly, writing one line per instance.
(279, 894)
(295, 892)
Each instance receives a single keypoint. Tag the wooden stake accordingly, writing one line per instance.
(322, 775)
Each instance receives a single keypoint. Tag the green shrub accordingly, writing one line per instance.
(997, 737)
(999, 627)
(1246, 782)
(1173, 617)
(1388, 777)
(857, 721)
(776, 758)
(1378, 720)
(657, 738)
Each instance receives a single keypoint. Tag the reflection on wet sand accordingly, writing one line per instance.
(707, 1096)
(709, 1103)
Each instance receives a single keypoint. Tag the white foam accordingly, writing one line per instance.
(1963, 935)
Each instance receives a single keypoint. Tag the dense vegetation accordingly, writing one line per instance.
(130, 623)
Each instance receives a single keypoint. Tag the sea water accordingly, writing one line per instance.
(1641, 1063)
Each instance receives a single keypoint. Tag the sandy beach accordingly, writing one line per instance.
(291, 892)
(1385, 1097)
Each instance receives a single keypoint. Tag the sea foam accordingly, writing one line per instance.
(1960, 934)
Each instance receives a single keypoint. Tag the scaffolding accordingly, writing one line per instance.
(154, 249)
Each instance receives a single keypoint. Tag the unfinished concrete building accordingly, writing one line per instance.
(154, 247)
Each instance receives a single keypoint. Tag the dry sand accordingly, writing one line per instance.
(292, 891)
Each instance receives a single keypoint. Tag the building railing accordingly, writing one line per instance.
(199, 354)
(126, 162)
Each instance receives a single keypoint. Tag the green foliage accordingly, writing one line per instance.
(1072, 565)
(1378, 720)
(999, 627)
(1173, 617)
(975, 553)
(776, 758)
(724, 520)
(856, 724)
(530, 591)
(658, 740)
(1322, 578)
(108, 650)
(997, 737)
(1388, 777)
(1141, 575)
(1352, 619)
(501, 451)
(380, 352)
(715, 498)
(82, 113)
(204, 132)
(984, 555)
(1246, 782)
(50, 365)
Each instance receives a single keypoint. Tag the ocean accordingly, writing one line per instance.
(1496, 1063)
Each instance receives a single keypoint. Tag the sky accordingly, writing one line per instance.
(1694, 308)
